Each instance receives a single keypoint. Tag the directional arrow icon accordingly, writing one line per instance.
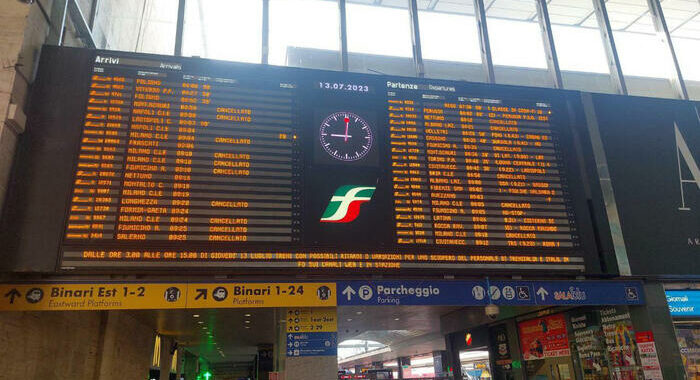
(349, 292)
(201, 293)
(14, 293)
(542, 292)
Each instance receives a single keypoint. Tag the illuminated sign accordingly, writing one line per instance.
(306, 320)
(683, 303)
(182, 162)
(134, 296)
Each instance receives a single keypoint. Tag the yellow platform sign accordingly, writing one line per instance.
(312, 320)
(241, 295)
(134, 296)
(105, 296)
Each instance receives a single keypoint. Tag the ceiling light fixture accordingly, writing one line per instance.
(195, 315)
(247, 315)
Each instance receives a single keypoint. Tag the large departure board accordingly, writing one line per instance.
(162, 162)
(474, 171)
(185, 158)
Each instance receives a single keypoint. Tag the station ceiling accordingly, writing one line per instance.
(233, 335)
(682, 16)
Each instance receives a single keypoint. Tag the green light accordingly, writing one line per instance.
(206, 375)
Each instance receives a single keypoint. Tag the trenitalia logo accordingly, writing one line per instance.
(344, 206)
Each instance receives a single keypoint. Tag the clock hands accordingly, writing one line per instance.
(354, 147)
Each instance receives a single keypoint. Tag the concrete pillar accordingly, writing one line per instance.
(403, 361)
(656, 317)
(358, 369)
(24, 30)
(14, 20)
(74, 345)
(125, 346)
(440, 363)
(311, 368)
(180, 362)
(280, 346)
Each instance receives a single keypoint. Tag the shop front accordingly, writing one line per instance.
(684, 305)
(582, 343)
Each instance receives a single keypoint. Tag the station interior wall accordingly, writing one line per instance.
(106, 345)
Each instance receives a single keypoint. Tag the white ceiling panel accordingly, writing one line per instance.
(691, 29)
(509, 14)
(456, 6)
(556, 8)
(395, 3)
(512, 9)
(564, 20)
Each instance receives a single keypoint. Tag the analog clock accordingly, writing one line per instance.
(346, 136)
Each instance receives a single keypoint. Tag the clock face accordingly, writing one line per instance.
(346, 136)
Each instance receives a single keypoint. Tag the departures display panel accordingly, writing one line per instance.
(184, 162)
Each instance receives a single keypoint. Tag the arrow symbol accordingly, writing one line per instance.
(290, 336)
(13, 294)
(349, 292)
(542, 293)
(201, 293)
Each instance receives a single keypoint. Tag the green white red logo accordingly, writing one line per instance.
(344, 206)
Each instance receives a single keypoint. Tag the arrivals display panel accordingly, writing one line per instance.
(155, 161)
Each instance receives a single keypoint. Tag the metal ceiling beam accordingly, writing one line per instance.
(433, 4)
(606, 34)
(415, 37)
(548, 42)
(179, 27)
(81, 26)
(265, 48)
(93, 14)
(486, 58)
(59, 10)
(343, 35)
(489, 6)
(657, 15)
(536, 14)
